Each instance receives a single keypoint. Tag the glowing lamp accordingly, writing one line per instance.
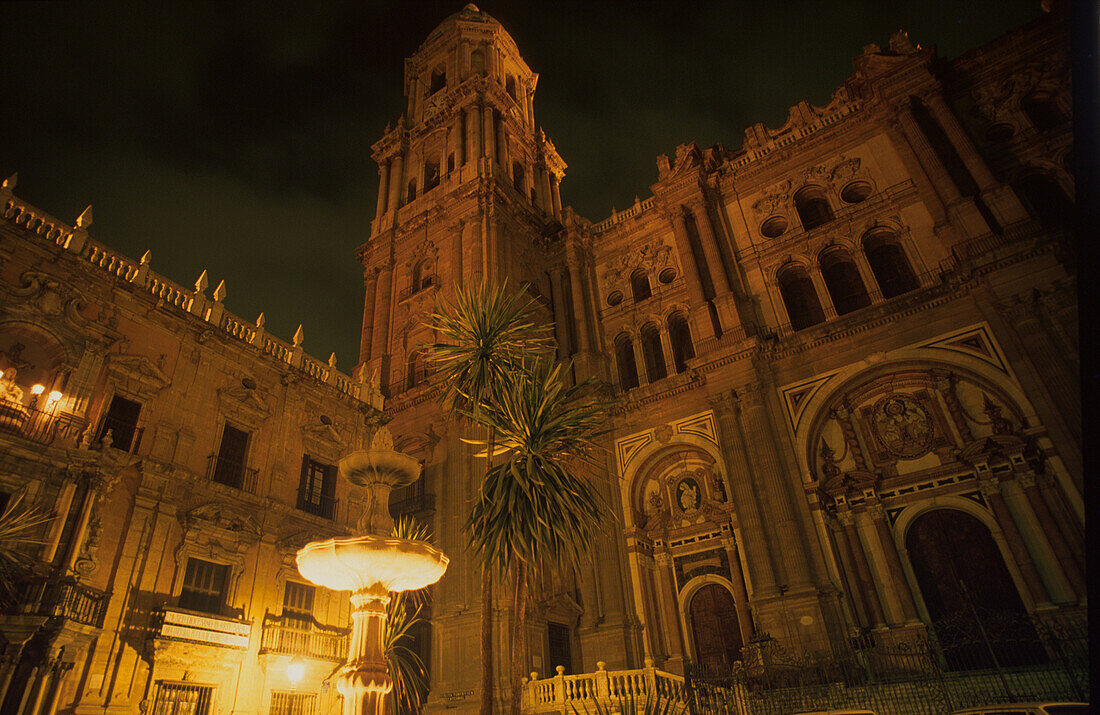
(295, 670)
(55, 396)
(38, 389)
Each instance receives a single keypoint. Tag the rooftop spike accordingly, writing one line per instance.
(219, 292)
(202, 283)
(332, 360)
(146, 258)
(299, 336)
(10, 182)
(84, 220)
(260, 320)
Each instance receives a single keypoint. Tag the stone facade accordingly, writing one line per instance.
(855, 325)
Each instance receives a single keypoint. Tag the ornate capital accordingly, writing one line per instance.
(725, 403)
(845, 517)
(990, 487)
(1026, 480)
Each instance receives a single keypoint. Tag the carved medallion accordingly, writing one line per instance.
(902, 426)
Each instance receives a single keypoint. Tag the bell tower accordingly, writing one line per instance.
(468, 186)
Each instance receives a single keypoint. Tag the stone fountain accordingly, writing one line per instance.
(371, 566)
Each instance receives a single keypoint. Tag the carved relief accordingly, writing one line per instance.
(902, 426)
(651, 257)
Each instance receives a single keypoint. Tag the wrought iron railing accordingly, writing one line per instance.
(62, 597)
(41, 426)
(232, 473)
(288, 635)
(321, 505)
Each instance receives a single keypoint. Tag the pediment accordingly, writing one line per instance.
(995, 448)
(223, 517)
(243, 403)
(137, 374)
(854, 480)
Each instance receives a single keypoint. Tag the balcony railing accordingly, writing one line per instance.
(231, 473)
(41, 426)
(320, 505)
(287, 635)
(53, 596)
(651, 689)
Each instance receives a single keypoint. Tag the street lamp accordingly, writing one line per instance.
(295, 671)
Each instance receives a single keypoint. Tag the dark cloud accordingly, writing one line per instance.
(236, 136)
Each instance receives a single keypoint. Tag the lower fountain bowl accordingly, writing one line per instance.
(360, 562)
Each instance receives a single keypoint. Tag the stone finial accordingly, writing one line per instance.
(10, 182)
(84, 220)
(332, 360)
(901, 44)
(202, 283)
(219, 292)
(146, 258)
(261, 319)
(299, 336)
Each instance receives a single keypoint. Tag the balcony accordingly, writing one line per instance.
(321, 505)
(41, 426)
(61, 597)
(287, 635)
(231, 473)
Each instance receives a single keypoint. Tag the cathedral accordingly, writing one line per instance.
(843, 356)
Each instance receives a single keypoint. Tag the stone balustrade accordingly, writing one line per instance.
(605, 691)
(75, 240)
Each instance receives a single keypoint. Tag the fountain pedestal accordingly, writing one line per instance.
(371, 566)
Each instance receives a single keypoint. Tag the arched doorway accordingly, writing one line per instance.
(971, 598)
(714, 627)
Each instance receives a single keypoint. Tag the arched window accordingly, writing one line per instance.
(510, 88)
(1046, 198)
(414, 374)
(1042, 111)
(431, 174)
(450, 162)
(439, 80)
(652, 353)
(680, 336)
(517, 176)
(639, 285)
(800, 298)
(964, 581)
(421, 276)
(843, 281)
(624, 356)
(889, 264)
(812, 206)
(410, 193)
(477, 61)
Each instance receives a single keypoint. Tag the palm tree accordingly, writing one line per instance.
(16, 525)
(486, 336)
(536, 511)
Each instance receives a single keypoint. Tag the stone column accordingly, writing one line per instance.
(555, 195)
(991, 489)
(473, 133)
(32, 697)
(671, 609)
(868, 276)
(380, 337)
(823, 294)
(926, 155)
(652, 640)
(8, 663)
(763, 451)
(561, 330)
(700, 315)
(505, 155)
(744, 491)
(639, 360)
(383, 189)
(371, 285)
(95, 482)
(489, 144)
(576, 275)
(666, 349)
(1050, 529)
(898, 584)
(60, 671)
(459, 135)
(914, 169)
(851, 580)
(397, 177)
(57, 527)
(710, 248)
(544, 189)
(867, 590)
(740, 594)
(958, 138)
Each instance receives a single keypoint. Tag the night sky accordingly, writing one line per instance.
(236, 136)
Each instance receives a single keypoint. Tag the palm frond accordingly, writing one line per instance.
(16, 526)
(486, 334)
(410, 677)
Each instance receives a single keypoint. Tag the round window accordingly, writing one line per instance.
(1000, 132)
(774, 227)
(615, 297)
(667, 275)
(856, 192)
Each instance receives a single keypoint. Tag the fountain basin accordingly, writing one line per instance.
(363, 562)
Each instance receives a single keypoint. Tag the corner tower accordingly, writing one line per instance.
(468, 185)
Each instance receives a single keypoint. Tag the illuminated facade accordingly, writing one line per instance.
(846, 352)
